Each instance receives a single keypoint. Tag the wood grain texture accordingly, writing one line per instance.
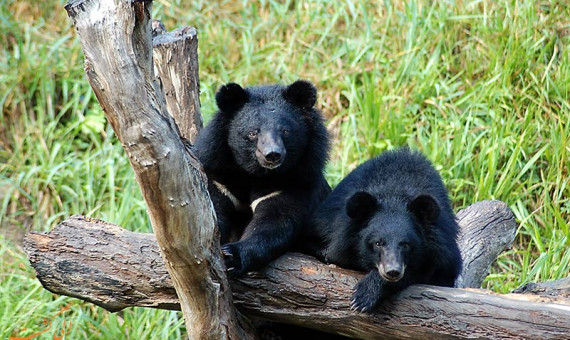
(102, 263)
(175, 57)
(485, 230)
(117, 44)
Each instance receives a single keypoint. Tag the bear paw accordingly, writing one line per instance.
(362, 301)
(367, 293)
(232, 257)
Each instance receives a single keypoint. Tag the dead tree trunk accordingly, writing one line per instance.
(114, 268)
(117, 43)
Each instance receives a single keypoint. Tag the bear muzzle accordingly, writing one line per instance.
(270, 151)
(392, 271)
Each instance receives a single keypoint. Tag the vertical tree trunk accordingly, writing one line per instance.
(117, 43)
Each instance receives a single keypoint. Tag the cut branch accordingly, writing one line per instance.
(176, 63)
(115, 268)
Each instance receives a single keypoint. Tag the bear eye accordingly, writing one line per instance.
(285, 132)
(378, 244)
(252, 134)
(405, 245)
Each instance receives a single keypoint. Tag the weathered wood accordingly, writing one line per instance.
(175, 56)
(551, 291)
(117, 43)
(115, 268)
(486, 229)
(102, 263)
(321, 296)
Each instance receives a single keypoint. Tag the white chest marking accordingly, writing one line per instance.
(256, 202)
(224, 190)
(236, 202)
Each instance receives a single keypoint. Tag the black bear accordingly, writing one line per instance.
(264, 153)
(392, 218)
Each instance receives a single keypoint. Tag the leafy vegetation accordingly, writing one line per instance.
(481, 87)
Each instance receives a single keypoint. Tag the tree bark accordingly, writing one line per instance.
(552, 291)
(486, 229)
(114, 268)
(117, 43)
(175, 56)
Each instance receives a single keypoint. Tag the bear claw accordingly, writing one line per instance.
(232, 259)
(353, 306)
(356, 308)
(226, 252)
(363, 300)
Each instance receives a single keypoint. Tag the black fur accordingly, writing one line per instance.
(263, 140)
(392, 218)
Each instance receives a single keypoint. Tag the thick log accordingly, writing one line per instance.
(419, 312)
(117, 43)
(102, 263)
(115, 268)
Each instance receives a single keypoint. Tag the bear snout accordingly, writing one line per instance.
(273, 156)
(391, 272)
(270, 151)
(271, 160)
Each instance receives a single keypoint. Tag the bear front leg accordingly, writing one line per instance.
(372, 290)
(368, 292)
(232, 219)
(268, 242)
(269, 234)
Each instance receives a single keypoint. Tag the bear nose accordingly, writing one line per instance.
(393, 274)
(273, 156)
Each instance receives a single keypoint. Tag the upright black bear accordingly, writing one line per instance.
(264, 153)
(391, 217)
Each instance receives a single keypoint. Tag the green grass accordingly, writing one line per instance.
(481, 87)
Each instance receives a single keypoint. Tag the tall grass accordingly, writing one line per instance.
(481, 87)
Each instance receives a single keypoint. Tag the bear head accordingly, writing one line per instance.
(268, 127)
(392, 232)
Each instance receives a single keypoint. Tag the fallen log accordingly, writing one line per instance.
(114, 268)
(551, 291)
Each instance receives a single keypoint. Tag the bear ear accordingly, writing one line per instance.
(424, 208)
(301, 93)
(361, 205)
(231, 97)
